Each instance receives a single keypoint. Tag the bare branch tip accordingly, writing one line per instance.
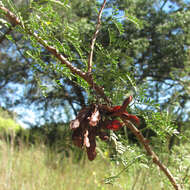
(90, 58)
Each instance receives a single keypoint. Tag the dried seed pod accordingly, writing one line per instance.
(77, 137)
(86, 139)
(95, 117)
(91, 151)
(82, 115)
(114, 125)
(133, 118)
(78, 142)
(74, 124)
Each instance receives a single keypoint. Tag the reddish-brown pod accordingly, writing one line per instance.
(114, 125)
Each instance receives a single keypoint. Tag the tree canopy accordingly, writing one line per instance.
(59, 56)
(141, 44)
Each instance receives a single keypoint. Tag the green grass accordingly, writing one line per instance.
(38, 168)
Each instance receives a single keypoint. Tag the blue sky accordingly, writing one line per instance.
(29, 114)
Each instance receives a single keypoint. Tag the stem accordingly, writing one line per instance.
(151, 153)
(88, 78)
(94, 38)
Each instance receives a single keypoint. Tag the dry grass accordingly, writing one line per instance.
(36, 168)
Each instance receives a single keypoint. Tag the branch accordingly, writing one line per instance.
(164, 3)
(94, 38)
(15, 21)
(151, 153)
(10, 16)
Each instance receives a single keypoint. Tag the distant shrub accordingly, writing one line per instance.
(7, 122)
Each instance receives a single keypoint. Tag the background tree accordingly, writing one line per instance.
(155, 54)
(110, 49)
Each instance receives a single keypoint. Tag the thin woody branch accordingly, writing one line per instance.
(15, 21)
(94, 38)
(10, 16)
(151, 153)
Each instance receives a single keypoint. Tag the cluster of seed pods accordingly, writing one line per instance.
(96, 120)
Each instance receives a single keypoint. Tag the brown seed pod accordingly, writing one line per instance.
(86, 139)
(95, 117)
(77, 137)
(91, 151)
(82, 115)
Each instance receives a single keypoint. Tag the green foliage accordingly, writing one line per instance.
(148, 37)
(67, 38)
(141, 53)
(163, 125)
(7, 123)
(134, 20)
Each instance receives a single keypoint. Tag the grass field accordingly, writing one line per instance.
(37, 168)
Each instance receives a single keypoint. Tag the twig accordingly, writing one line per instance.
(10, 16)
(151, 153)
(94, 38)
(107, 180)
(164, 3)
(15, 21)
